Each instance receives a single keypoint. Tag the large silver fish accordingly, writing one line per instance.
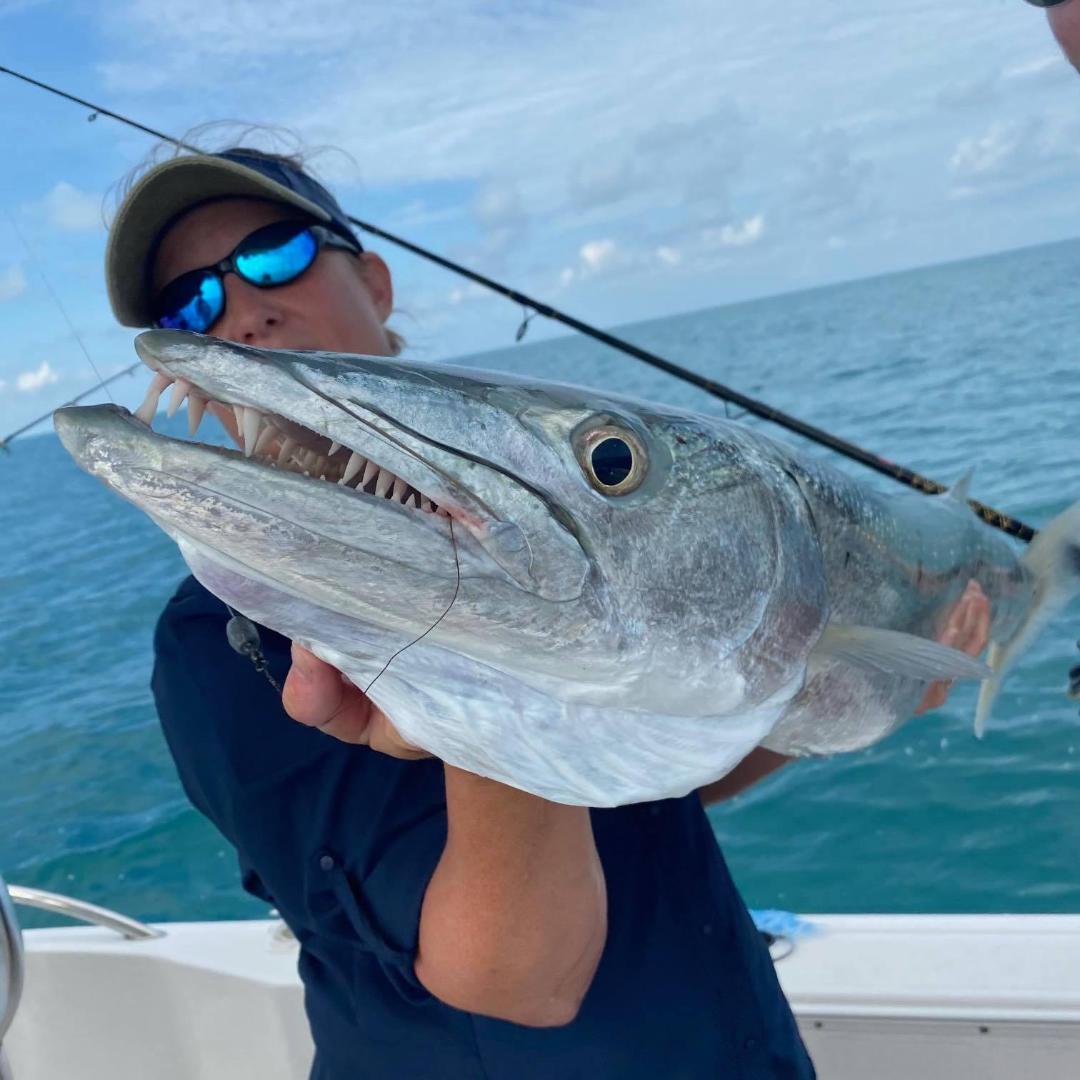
(604, 601)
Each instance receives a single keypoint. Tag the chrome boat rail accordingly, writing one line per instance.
(85, 912)
(11, 971)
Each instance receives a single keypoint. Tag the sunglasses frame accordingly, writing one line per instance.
(323, 236)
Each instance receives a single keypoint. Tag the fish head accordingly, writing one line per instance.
(607, 551)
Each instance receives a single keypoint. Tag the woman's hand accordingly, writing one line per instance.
(319, 696)
(968, 630)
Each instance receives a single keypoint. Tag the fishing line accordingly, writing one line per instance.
(457, 589)
(39, 267)
(995, 518)
(243, 634)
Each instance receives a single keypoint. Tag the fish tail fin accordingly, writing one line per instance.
(1053, 557)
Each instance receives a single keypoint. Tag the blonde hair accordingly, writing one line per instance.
(284, 146)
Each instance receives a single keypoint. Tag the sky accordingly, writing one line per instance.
(620, 159)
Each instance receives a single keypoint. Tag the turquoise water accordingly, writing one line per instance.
(975, 363)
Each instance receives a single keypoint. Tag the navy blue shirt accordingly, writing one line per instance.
(342, 840)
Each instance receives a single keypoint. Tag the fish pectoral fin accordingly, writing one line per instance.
(897, 653)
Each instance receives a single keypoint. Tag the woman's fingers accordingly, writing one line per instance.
(318, 695)
(967, 629)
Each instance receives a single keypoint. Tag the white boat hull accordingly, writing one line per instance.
(876, 997)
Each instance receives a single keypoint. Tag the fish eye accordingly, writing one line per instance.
(613, 459)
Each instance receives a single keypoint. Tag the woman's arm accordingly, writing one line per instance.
(758, 764)
(515, 916)
(514, 919)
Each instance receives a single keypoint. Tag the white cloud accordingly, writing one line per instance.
(986, 154)
(72, 210)
(597, 254)
(1051, 61)
(35, 380)
(1014, 155)
(12, 283)
(742, 234)
(668, 255)
(462, 294)
(597, 257)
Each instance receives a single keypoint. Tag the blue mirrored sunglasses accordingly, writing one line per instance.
(273, 255)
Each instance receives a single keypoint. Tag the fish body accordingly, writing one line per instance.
(594, 599)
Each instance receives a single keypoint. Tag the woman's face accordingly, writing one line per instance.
(339, 304)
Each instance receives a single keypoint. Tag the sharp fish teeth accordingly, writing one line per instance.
(252, 421)
(334, 448)
(180, 390)
(356, 463)
(370, 470)
(426, 504)
(196, 406)
(145, 412)
(287, 448)
(382, 485)
(266, 437)
(397, 493)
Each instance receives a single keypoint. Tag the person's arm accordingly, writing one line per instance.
(758, 764)
(514, 919)
(515, 916)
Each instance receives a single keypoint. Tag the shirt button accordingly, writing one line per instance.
(707, 929)
(750, 1044)
(326, 862)
(654, 810)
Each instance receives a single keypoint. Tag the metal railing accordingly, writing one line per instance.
(85, 912)
(11, 971)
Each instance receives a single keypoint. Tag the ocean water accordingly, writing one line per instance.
(971, 364)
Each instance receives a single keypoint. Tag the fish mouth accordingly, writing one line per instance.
(281, 442)
(322, 417)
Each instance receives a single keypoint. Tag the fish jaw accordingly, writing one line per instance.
(410, 432)
(344, 551)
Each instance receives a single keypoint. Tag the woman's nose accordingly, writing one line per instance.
(252, 315)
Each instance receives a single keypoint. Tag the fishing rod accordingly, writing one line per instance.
(996, 518)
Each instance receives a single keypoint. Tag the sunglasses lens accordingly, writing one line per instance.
(192, 302)
(277, 254)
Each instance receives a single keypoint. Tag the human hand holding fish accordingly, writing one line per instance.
(319, 696)
(967, 629)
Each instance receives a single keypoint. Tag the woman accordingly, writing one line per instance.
(449, 926)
